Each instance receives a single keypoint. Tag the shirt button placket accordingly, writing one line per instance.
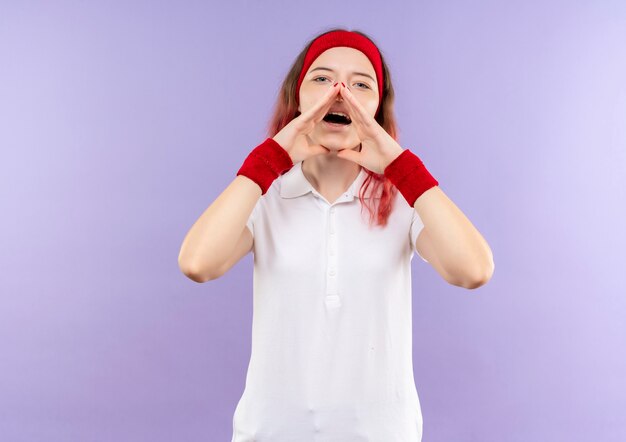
(331, 271)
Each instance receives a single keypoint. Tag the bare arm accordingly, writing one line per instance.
(219, 238)
(451, 243)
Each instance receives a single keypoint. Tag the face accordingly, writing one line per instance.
(347, 65)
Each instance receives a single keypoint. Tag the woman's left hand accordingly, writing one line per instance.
(378, 148)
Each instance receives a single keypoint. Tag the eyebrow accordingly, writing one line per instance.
(353, 73)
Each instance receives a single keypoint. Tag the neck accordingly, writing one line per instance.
(330, 174)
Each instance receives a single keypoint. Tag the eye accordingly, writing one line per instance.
(326, 78)
(317, 78)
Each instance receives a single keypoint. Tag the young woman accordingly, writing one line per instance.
(332, 333)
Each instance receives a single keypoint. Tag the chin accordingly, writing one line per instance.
(332, 147)
(334, 142)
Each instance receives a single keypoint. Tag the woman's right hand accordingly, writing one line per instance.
(294, 137)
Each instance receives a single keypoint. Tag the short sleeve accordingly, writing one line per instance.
(416, 227)
(253, 216)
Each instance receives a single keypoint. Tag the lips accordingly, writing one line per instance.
(338, 108)
(333, 127)
(337, 118)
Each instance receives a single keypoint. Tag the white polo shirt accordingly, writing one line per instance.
(331, 356)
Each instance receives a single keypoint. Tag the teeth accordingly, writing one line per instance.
(340, 113)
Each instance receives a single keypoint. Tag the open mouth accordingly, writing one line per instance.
(337, 119)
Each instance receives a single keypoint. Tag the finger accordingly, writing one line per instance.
(314, 147)
(357, 111)
(318, 149)
(325, 103)
(349, 154)
(319, 109)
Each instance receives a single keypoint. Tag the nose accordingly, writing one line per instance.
(339, 97)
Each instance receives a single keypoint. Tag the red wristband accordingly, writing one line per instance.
(410, 176)
(265, 163)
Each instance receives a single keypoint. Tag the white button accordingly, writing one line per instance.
(332, 229)
(332, 251)
(332, 211)
(332, 272)
(332, 302)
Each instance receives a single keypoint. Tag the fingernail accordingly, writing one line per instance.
(336, 84)
(343, 84)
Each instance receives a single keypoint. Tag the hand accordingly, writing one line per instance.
(378, 148)
(294, 137)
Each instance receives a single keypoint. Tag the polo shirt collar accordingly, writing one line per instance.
(294, 184)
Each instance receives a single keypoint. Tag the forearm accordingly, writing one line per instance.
(213, 237)
(462, 253)
(460, 248)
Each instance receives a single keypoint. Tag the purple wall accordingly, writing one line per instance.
(120, 124)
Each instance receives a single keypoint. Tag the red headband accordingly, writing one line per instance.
(348, 39)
